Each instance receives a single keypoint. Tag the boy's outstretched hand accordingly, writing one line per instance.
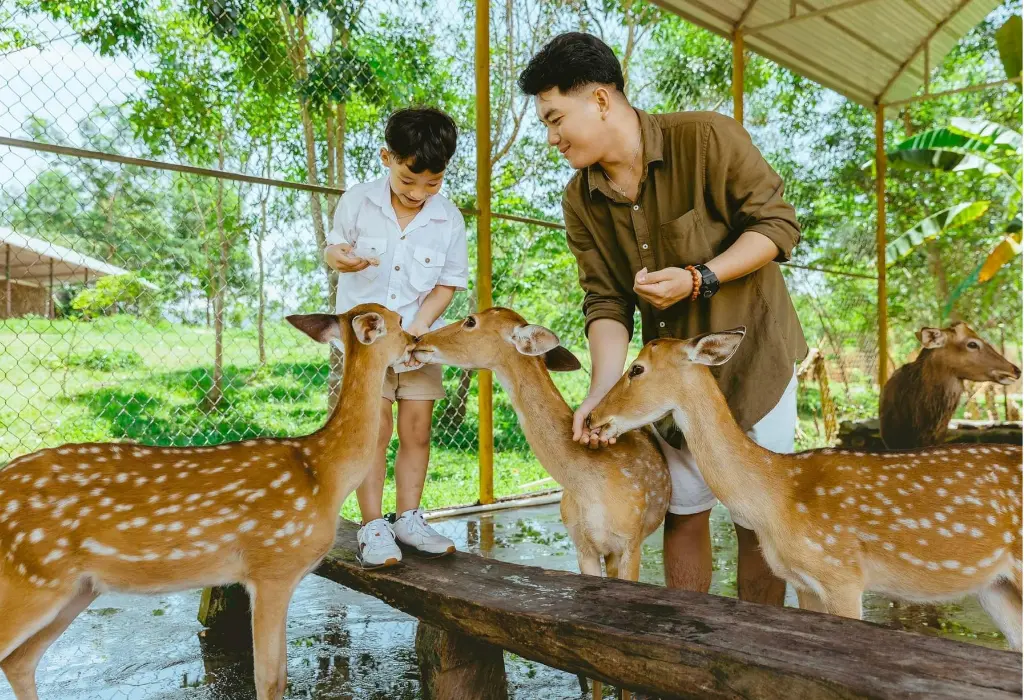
(341, 258)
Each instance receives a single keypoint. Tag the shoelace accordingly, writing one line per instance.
(419, 523)
(374, 529)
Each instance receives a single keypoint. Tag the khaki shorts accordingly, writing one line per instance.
(423, 384)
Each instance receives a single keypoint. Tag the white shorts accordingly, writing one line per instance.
(776, 432)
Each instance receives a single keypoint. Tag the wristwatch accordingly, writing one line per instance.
(708, 282)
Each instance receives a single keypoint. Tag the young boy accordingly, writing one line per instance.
(397, 242)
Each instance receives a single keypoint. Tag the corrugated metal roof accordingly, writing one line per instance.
(30, 261)
(870, 51)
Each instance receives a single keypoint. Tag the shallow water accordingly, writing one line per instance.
(344, 645)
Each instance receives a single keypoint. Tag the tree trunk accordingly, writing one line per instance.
(939, 270)
(455, 412)
(216, 393)
(262, 307)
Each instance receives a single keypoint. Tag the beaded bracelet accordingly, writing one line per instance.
(696, 282)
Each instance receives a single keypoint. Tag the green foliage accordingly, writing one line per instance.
(114, 292)
(105, 360)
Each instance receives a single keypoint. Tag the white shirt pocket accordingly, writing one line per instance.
(372, 249)
(425, 268)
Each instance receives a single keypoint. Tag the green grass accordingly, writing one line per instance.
(121, 378)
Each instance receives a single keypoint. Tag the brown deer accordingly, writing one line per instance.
(921, 396)
(79, 520)
(612, 498)
(925, 525)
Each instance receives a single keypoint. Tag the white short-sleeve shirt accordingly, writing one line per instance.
(431, 251)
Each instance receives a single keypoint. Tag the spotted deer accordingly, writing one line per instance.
(79, 520)
(612, 498)
(921, 396)
(923, 525)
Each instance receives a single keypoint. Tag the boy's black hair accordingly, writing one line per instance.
(570, 61)
(422, 138)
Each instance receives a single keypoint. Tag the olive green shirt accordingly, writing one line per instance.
(703, 184)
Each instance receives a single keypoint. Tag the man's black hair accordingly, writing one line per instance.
(422, 138)
(570, 61)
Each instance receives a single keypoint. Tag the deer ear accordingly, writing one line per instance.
(931, 338)
(561, 360)
(323, 328)
(534, 340)
(369, 327)
(714, 349)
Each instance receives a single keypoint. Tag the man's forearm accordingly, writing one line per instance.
(609, 343)
(749, 253)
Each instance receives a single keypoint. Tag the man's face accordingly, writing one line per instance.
(574, 123)
(411, 189)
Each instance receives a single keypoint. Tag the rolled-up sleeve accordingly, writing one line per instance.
(745, 191)
(603, 296)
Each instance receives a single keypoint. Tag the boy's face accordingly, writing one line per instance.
(412, 189)
(575, 123)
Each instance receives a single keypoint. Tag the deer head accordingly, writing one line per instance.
(493, 339)
(364, 325)
(663, 371)
(964, 354)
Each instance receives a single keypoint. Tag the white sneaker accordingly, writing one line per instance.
(377, 546)
(413, 533)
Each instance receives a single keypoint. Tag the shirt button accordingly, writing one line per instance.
(645, 246)
(636, 207)
(426, 260)
(397, 268)
(662, 324)
(393, 296)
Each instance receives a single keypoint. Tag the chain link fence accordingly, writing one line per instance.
(169, 174)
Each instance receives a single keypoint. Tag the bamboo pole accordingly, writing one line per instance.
(883, 309)
(737, 75)
(7, 277)
(483, 236)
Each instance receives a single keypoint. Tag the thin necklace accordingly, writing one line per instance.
(632, 160)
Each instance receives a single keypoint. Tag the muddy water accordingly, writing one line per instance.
(343, 645)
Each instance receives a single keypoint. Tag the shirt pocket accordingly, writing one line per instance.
(425, 269)
(683, 242)
(371, 248)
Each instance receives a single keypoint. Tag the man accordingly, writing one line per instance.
(661, 206)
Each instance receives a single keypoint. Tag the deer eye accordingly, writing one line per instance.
(636, 371)
(470, 322)
(973, 345)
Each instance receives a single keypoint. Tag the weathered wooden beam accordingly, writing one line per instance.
(456, 667)
(866, 435)
(675, 644)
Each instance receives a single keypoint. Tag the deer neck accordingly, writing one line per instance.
(938, 390)
(544, 415)
(748, 479)
(342, 451)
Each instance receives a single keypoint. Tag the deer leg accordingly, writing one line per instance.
(20, 665)
(809, 600)
(270, 647)
(611, 565)
(844, 601)
(1002, 601)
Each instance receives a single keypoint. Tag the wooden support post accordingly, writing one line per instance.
(883, 308)
(456, 667)
(483, 236)
(225, 611)
(738, 69)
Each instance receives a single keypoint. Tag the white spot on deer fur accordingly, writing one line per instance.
(36, 536)
(976, 533)
(91, 545)
(969, 571)
(300, 503)
(247, 525)
(12, 507)
(229, 537)
(256, 495)
(799, 506)
(888, 546)
(925, 523)
(277, 514)
(175, 526)
(835, 491)
(194, 531)
(1007, 537)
